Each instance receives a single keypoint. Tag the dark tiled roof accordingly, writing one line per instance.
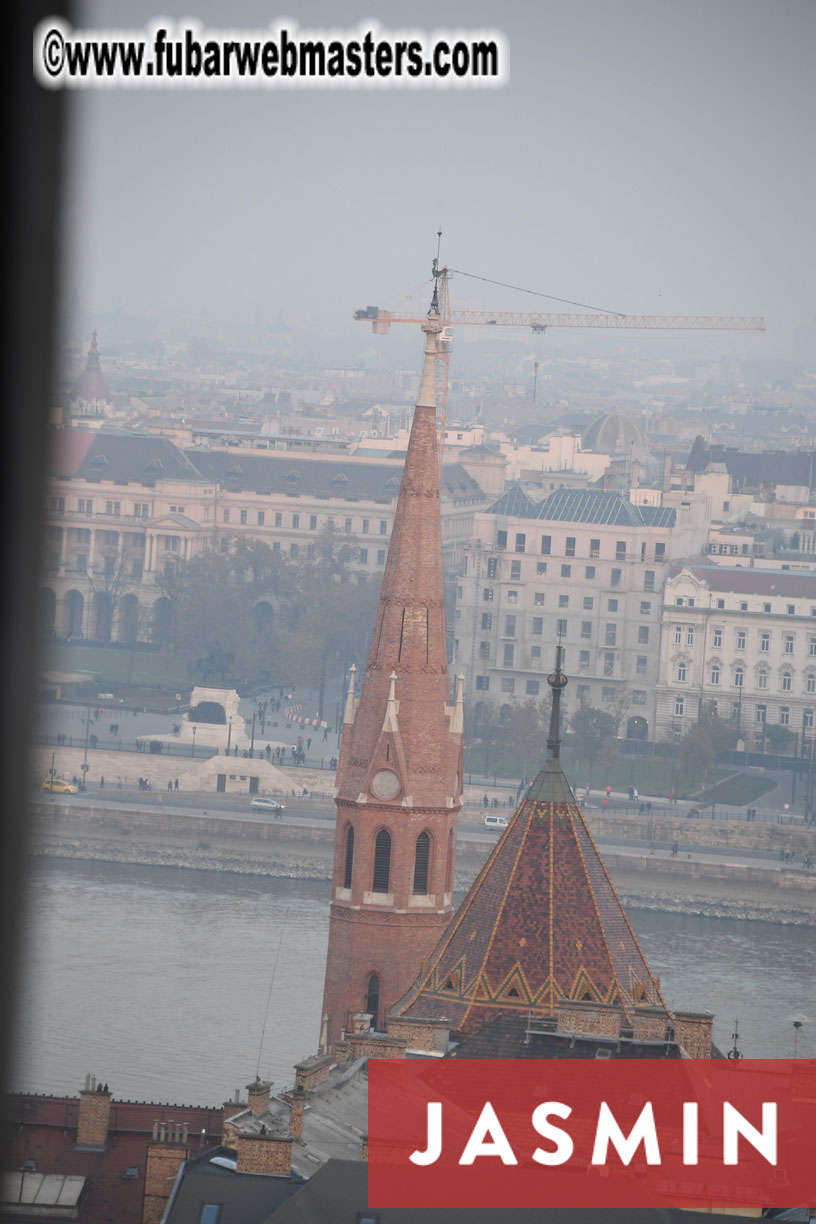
(244, 1198)
(135, 458)
(752, 470)
(583, 506)
(339, 1191)
(741, 581)
(542, 922)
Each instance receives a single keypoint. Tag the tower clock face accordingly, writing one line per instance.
(385, 784)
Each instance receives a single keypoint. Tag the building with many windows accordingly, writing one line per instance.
(743, 640)
(122, 508)
(587, 566)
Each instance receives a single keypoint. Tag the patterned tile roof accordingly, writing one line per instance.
(541, 922)
(583, 506)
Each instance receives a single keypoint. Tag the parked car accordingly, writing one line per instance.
(495, 822)
(268, 805)
(58, 786)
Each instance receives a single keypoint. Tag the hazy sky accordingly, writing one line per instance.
(645, 155)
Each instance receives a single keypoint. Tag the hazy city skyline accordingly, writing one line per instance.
(646, 157)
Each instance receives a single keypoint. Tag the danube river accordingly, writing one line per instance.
(178, 986)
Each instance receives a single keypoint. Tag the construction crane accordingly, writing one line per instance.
(382, 320)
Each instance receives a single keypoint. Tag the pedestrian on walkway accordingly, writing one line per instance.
(608, 790)
(636, 794)
(175, 784)
(675, 848)
(101, 782)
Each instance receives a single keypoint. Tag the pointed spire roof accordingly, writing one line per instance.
(402, 716)
(92, 384)
(541, 922)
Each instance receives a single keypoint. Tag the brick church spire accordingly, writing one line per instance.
(400, 763)
(541, 924)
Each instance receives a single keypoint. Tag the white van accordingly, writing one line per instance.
(495, 822)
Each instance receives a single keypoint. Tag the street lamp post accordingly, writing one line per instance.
(85, 758)
(53, 754)
(252, 739)
(229, 736)
(192, 751)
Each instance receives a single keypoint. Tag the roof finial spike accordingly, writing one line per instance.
(557, 682)
(436, 273)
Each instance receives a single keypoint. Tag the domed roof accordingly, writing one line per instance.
(615, 434)
(92, 384)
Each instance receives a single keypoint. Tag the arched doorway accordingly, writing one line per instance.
(637, 728)
(263, 615)
(127, 619)
(73, 612)
(372, 1004)
(102, 616)
(161, 629)
(48, 612)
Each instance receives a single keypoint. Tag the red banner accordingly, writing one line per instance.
(564, 1133)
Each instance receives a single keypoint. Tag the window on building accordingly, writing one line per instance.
(487, 620)
(679, 707)
(678, 635)
(383, 527)
(743, 605)
(788, 642)
(563, 601)
(609, 663)
(582, 692)
(293, 550)
(382, 862)
(595, 549)
(720, 603)
(787, 681)
(225, 516)
(533, 687)
(586, 629)
(312, 522)
(509, 650)
(538, 625)
(521, 541)
(515, 571)
(791, 609)
(561, 628)
(639, 697)
(508, 685)
(660, 552)
(422, 862)
(615, 577)
(766, 607)
(210, 1213)
(620, 550)
(607, 694)
(483, 683)
(349, 864)
(510, 626)
(611, 635)
(810, 682)
(589, 572)
(761, 713)
(501, 539)
(111, 507)
(85, 506)
(372, 1003)
(645, 607)
(566, 571)
(588, 603)
(715, 673)
(363, 556)
(296, 521)
(690, 635)
(718, 637)
(762, 679)
(641, 665)
(569, 547)
(278, 519)
(539, 599)
(807, 720)
(764, 642)
(649, 580)
(484, 650)
(243, 516)
(381, 556)
(739, 675)
(366, 524)
(812, 647)
(492, 566)
(487, 594)
(546, 544)
(535, 652)
(261, 518)
(583, 660)
(541, 567)
(740, 639)
(643, 634)
(681, 672)
(612, 605)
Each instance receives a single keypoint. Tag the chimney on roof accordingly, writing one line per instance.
(167, 1151)
(296, 1100)
(94, 1114)
(271, 1154)
(258, 1096)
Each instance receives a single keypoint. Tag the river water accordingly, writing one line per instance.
(177, 985)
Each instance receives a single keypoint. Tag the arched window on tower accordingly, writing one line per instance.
(372, 1005)
(382, 862)
(422, 859)
(349, 857)
(449, 865)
